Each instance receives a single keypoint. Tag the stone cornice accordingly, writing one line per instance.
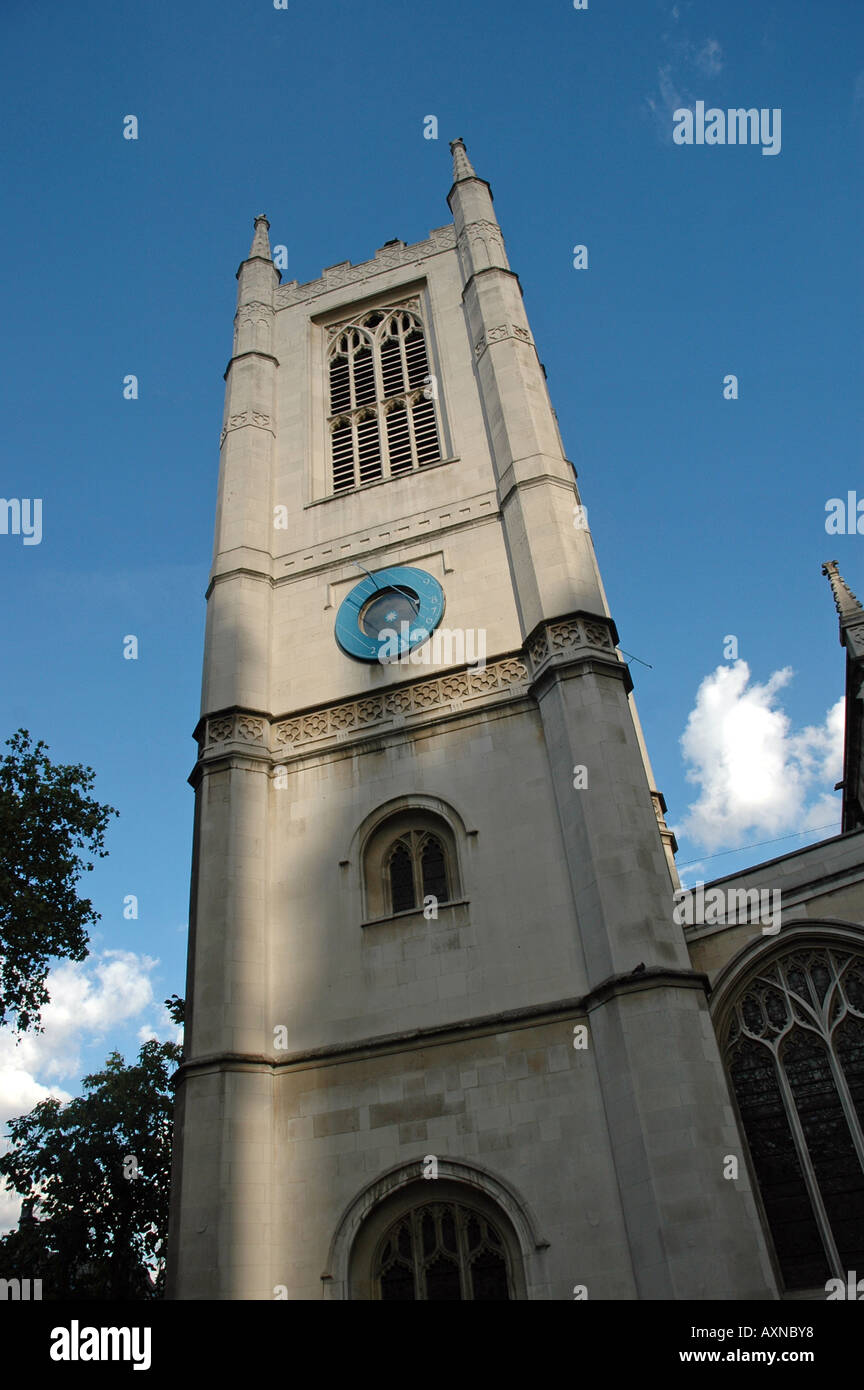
(325, 726)
(440, 1034)
(387, 1042)
(491, 270)
(253, 352)
(587, 639)
(657, 977)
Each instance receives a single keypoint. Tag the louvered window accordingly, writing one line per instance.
(383, 420)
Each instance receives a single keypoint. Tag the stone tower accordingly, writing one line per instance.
(444, 1039)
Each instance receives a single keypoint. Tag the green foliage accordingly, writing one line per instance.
(97, 1171)
(46, 817)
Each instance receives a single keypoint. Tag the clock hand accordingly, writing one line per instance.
(415, 602)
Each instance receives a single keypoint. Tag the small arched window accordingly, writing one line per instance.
(442, 1252)
(409, 858)
(401, 873)
(382, 400)
(416, 870)
(794, 1047)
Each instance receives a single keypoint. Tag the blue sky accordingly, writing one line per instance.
(708, 515)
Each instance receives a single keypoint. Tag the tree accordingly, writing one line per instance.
(46, 816)
(95, 1174)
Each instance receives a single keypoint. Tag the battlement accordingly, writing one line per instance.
(386, 258)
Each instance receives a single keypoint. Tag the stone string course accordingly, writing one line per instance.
(464, 689)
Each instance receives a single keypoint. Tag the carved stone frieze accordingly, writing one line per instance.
(254, 306)
(498, 334)
(235, 728)
(245, 417)
(571, 635)
(501, 677)
(392, 708)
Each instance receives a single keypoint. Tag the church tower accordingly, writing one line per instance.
(444, 1039)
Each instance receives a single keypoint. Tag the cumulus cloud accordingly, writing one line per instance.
(758, 777)
(164, 1029)
(87, 998)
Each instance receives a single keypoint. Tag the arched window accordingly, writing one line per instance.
(416, 869)
(794, 1047)
(442, 1252)
(382, 410)
(401, 871)
(409, 858)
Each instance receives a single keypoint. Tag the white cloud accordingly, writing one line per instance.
(758, 777)
(667, 100)
(87, 998)
(684, 61)
(709, 58)
(164, 1030)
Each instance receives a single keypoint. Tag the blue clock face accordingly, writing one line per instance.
(389, 613)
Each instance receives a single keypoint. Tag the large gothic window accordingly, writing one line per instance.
(382, 401)
(442, 1252)
(794, 1047)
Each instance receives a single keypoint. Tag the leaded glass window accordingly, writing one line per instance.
(442, 1252)
(794, 1047)
(416, 870)
(401, 868)
(382, 409)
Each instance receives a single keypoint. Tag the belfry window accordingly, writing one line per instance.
(442, 1252)
(382, 406)
(794, 1048)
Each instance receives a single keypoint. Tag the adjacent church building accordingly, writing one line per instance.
(448, 1036)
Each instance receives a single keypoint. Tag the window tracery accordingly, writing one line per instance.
(794, 1048)
(382, 415)
(442, 1251)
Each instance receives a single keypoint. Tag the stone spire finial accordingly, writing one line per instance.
(847, 605)
(462, 166)
(261, 241)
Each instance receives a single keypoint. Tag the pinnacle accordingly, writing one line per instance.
(261, 241)
(462, 166)
(846, 603)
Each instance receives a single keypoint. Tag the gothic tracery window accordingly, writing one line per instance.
(382, 406)
(794, 1047)
(410, 856)
(417, 869)
(442, 1251)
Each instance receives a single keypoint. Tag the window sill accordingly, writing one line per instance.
(414, 912)
(380, 482)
